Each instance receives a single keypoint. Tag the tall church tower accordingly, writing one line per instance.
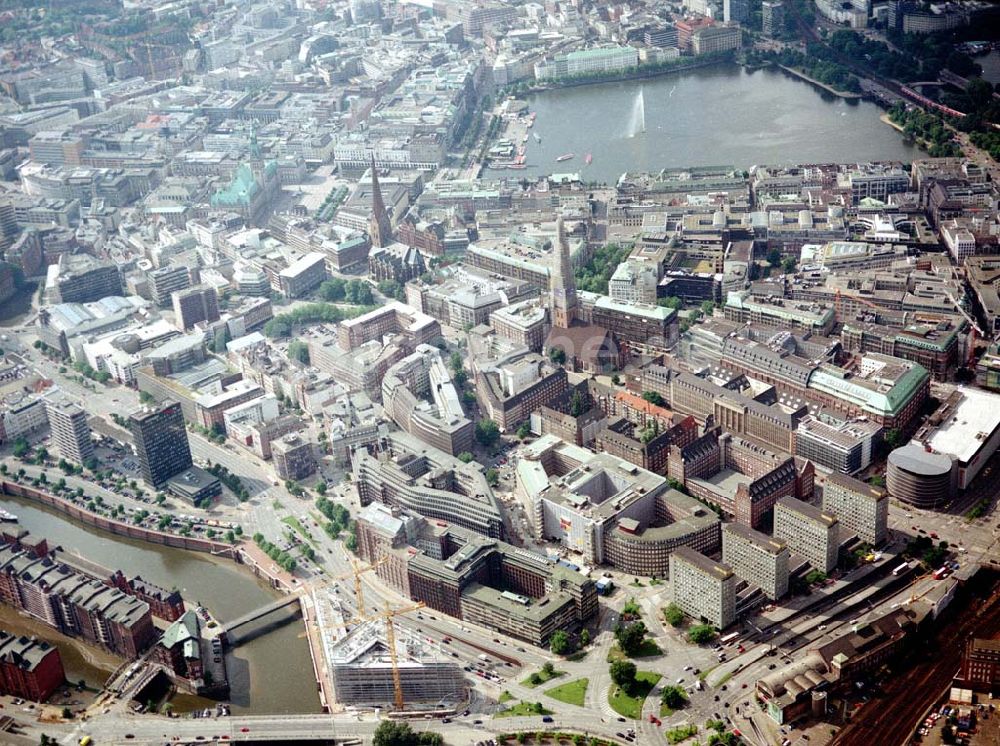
(257, 165)
(379, 224)
(562, 284)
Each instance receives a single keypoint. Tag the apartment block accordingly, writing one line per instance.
(756, 558)
(703, 588)
(811, 533)
(293, 457)
(861, 508)
(195, 305)
(70, 429)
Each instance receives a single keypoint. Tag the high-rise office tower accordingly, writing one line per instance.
(70, 429)
(161, 442)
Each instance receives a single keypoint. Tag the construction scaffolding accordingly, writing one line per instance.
(361, 665)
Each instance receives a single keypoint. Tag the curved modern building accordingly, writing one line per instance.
(920, 477)
(419, 395)
(411, 475)
(645, 550)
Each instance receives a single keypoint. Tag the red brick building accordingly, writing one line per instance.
(29, 668)
(981, 665)
(162, 603)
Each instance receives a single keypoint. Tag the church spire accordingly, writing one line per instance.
(379, 224)
(562, 284)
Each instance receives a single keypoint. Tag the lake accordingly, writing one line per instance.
(720, 115)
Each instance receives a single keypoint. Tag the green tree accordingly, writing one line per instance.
(630, 637)
(549, 669)
(524, 430)
(535, 679)
(774, 257)
(654, 398)
(699, 634)
(320, 487)
(585, 637)
(576, 405)
(298, 350)
(623, 673)
(725, 738)
(487, 432)
(788, 265)
(277, 328)
(815, 576)
(673, 697)
(674, 615)
(333, 290)
(671, 301)
(492, 477)
(20, 447)
(465, 457)
(557, 355)
(146, 398)
(559, 643)
(359, 293)
(392, 289)
(631, 609)
(399, 733)
(893, 438)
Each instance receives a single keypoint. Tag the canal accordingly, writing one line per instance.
(272, 674)
(720, 115)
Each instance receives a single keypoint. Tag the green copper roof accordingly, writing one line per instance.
(243, 187)
(184, 630)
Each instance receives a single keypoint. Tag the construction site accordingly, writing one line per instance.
(365, 670)
(362, 658)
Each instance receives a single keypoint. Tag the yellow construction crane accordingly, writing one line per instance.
(913, 594)
(356, 574)
(390, 639)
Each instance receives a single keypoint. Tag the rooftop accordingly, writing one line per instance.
(967, 426)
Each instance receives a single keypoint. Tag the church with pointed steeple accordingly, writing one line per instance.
(562, 284)
(379, 224)
(587, 348)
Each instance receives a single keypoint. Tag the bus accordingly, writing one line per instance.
(902, 568)
(731, 637)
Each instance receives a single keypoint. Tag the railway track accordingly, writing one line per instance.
(890, 718)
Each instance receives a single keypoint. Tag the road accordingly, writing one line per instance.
(126, 728)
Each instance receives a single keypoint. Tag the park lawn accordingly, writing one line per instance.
(521, 709)
(296, 525)
(544, 678)
(649, 649)
(572, 692)
(505, 696)
(630, 705)
(704, 674)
